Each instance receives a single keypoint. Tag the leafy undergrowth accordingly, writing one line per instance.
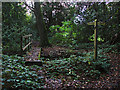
(16, 75)
(77, 67)
(61, 73)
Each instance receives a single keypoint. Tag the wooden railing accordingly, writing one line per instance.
(27, 43)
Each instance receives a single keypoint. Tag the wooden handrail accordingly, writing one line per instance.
(27, 36)
(29, 42)
(26, 46)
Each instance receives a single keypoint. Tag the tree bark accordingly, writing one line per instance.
(41, 25)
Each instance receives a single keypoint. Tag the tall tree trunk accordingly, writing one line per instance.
(41, 25)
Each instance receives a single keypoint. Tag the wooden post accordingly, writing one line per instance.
(95, 41)
(95, 23)
(21, 46)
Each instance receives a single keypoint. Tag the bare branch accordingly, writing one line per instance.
(32, 5)
(31, 8)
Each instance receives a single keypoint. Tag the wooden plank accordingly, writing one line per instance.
(91, 23)
(27, 46)
(99, 23)
(27, 36)
(29, 63)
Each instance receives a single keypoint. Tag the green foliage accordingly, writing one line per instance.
(64, 34)
(56, 12)
(110, 48)
(14, 26)
(78, 66)
(107, 13)
(13, 13)
(13, 38)
(16, 22)
(16, 75)
(92, 38)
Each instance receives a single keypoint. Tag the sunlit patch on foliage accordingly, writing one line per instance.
(64, 34)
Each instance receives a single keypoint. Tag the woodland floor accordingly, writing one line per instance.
(110, 80)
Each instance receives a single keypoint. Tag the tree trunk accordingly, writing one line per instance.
(41, 26)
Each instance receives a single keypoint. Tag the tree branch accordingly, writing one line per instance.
(31, 8)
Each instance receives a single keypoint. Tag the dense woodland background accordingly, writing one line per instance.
(63, 22)
(59, 24)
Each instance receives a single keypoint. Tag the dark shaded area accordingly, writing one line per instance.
(29, 63)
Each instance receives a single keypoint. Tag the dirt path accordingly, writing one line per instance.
(33, 54)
